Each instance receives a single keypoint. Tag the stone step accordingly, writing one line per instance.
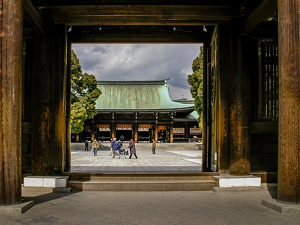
(142, 185)
(142, 176)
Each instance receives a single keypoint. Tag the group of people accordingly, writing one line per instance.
(116, 147)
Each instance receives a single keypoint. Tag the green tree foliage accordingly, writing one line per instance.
(84, 93)
(196, 82)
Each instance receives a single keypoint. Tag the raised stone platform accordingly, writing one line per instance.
(46, 181)
(226, 181)
(280, 207)
(17, 209)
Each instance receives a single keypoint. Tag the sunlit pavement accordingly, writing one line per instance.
(168, 157)
(150, 208)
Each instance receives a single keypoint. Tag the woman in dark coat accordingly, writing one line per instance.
(131, 146)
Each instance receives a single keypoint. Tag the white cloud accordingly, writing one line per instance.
(140, 62)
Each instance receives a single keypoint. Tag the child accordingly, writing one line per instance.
(153, 146)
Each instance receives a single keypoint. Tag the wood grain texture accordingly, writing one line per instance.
(223, 98)
(10, 101)
(288, 190)
(49, 96)
(138, 14)
(240, 105)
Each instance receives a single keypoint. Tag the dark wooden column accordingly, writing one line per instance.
(135, 131)
(205, 116)
(187, 130)
(288, 189)
(223, 98)
(171, 132)
(240, 136)
(113, 128)
(156, 131)
(11, 38)
(49, 82)
(68, 110)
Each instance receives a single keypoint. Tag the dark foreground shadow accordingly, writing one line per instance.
(44, 197)
(272, 189)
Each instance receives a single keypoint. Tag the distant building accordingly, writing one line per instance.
(143, 111)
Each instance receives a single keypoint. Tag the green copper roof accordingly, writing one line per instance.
(137, 95)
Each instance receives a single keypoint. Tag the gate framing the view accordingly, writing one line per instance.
(248, 120)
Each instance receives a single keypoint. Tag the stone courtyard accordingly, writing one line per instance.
(168, 157)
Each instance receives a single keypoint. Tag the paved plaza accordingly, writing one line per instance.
(169, 157)
(150, 208)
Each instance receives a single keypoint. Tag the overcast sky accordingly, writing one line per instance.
(140, 62)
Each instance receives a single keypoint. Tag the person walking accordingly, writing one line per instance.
(111, 144)
(120, 144)
(95, 146)
(153, 146)
(86, 145)
(115, 147)
(131, 146)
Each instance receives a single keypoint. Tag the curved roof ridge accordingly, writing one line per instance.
(131, 82)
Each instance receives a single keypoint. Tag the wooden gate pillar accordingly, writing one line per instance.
(156, 131)
(11, 38)
(135, 131)
(49, 85)
(240, 136)
(171, 132)
(288, 189)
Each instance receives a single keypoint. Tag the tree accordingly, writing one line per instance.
(84, 93)
(196, 81)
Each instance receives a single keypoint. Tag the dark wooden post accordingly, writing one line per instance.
(171, 132)
(68, 110)
(223, 98)
(11, 38)
(187, 130)
(49, 102)
(204, 119)
(288, 189)
(113, 129)
(135, 131)
(240, 136)
(156, 131)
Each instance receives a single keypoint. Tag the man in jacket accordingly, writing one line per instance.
(95, 146)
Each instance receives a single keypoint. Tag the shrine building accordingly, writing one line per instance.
(143, 111)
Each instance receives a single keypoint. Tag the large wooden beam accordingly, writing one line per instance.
(260, 14)
(128, 36)
(11, 39)
(288, 189)
(33, 17)
(139, 14)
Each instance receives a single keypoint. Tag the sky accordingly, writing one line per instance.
(140, 62)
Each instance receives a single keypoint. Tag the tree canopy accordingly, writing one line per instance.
(196, 82)
(84, 93)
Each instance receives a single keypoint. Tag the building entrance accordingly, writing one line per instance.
(125, 130)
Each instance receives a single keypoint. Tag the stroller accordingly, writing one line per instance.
(123, 152)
